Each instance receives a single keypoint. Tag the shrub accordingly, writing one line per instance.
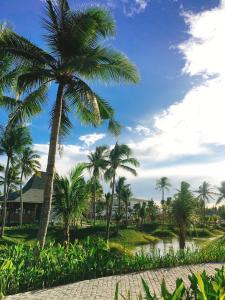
(161, 232)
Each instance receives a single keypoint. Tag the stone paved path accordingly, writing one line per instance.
(104, 288)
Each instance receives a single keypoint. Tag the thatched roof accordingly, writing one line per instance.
(33, 190)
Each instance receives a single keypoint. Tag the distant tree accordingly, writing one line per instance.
(126, 194)
(119, 158)
(13, 179)
(107, 200)
(205, 193)
(12, 141)
(70, 197)
(120, 183)
(221, 190)
(96, 192)
(152, 210)
(97, 165)
(143, 212)
(182, 209)
(163, 185)
(28, 163)
(136, 210)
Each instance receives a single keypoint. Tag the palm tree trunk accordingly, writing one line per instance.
(21, 200)
(67, 231)
(181, 237)
(126, 214)
(94, 202)
(4, 211)
(46, 207)
(110, 209)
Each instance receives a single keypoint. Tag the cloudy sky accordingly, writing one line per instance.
(174, 119)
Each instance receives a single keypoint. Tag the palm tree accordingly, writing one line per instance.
(119, 158)
(1, 168)
(96, 192)
(96, 166)
(126, 194)
(28, 163)
(163, 185)
(70, 197)
(12, 141)
(205, 193)
(221, 190)
(76, 53)
(182, 208)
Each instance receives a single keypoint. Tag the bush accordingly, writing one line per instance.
(161, 232)
(200, 233)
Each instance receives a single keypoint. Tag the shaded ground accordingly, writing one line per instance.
(104, 288)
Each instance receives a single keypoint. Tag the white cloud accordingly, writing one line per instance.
(133, 7)
(192, 125)
(90, 139)
(140, 129)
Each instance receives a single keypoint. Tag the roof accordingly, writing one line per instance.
(33, 190)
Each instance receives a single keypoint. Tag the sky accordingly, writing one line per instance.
(174, 118)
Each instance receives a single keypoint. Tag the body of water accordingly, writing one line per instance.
(164, 246)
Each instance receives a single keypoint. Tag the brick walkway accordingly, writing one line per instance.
(104, 288)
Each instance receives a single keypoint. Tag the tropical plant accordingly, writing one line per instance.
(182, 209)
(96, 192)
(152, 210)
(119, 158)
(221, 190)
(12, 142)
(97, 165)
(13, 179)
(126, 194)
(163, 185)
(77, 52)
(28, 163)
(1, 168)
(70, 197)
(205, 193)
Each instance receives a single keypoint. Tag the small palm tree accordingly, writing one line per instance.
(28, 163)
(126, 194)
(76, 54)
(182, 209)
(13, 179)
(119, 158)
(119, 187)
(205, 193)
(163, 185)
(70, 197)
(12, 141)
(97, 165)
(96, 192)
(221, 190)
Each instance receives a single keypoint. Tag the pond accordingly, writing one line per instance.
(166, 245)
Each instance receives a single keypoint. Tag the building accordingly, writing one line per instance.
(33, 192)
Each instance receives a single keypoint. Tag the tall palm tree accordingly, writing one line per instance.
(205, 193)
(119, 158)
(12, 141)
(182, 208)
(28, 163)
(163, 185)
(97, 165)
(221, 190)
(126, 194)
(76, 53)
(96, 192)
(70, 197)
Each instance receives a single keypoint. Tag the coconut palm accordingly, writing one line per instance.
(221, 190)
(76, 53)
(97, 165)
(126, 194)
(163, 185)
(96, 192)
(182, 209)
(70, 197)
(28, 163)
(119, 158)
(13, 179)
(205, 193)
(12, 141)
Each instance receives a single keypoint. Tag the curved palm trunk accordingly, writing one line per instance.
(21, 200)
(94, 203)
(46, 207)
(110, 209)
(4, 211)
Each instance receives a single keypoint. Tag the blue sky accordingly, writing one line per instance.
(171, 121)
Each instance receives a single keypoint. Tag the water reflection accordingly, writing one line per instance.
(165, 246)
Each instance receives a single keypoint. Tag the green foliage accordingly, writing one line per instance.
(21, 270)
(202, 287)
(163, 232)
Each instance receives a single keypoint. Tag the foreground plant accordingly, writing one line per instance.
(202, 287)
(76, 54)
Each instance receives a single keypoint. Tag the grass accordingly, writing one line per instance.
(131, 238)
